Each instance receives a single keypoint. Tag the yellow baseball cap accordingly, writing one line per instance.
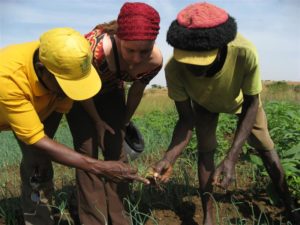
(67, 55)
(200, 58)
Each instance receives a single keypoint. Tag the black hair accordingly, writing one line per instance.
(202, 39)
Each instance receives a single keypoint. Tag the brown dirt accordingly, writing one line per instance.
(190, 212)
(238, 207)
(179, 204)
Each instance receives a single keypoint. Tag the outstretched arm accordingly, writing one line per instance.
(115, 170)
(224, 173)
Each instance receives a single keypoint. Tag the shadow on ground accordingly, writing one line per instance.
(170, 204)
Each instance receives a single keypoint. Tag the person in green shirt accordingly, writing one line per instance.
(215, 70)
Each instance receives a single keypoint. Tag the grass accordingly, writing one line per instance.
(156, 117)
(281, 91)
(154, 99)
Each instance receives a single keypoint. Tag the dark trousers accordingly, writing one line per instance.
(100, 201)
(36, 179)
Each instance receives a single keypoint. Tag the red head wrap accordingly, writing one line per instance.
(138, 21)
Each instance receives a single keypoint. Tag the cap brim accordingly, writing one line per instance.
(83, 88)
(200, 58)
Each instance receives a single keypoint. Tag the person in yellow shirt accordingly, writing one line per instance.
(215, 70)
(39, 80)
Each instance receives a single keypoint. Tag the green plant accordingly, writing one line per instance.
(137, 217)
(157, 127)
(291, 164)
(9, 211)
(62, 199)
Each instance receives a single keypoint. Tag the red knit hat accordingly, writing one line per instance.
(199, 31)
(138, 21)
(201, 15)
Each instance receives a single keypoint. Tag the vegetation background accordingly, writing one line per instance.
(251, 200)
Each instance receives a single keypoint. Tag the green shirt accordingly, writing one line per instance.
(224, 91)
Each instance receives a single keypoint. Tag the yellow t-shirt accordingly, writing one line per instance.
(223, 92)
(24, 102)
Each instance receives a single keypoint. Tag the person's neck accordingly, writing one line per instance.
(35, 60)
(38, 71)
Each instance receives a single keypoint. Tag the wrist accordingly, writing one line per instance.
(98, 121)
(170, 158)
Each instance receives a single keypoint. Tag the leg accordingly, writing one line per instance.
(276, 173)
(206, 124)
(205, 170)
(91, 196)
(111, 108)
(99, 201)
(262, 142)
(36, 177)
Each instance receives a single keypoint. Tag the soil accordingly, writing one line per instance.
(175, 203)
(190, 212)
(241, 206)
(181, 205)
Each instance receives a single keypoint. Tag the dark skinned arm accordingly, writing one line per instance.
(135, 94)
(224, 173)
(181, 136)
(114, 170)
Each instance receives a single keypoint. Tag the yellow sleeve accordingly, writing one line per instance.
(252, 81)
(20, 115)
(176, 90)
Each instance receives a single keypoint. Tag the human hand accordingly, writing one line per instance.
(101, 128)
(121, 172)
(163, 170)
(224, 174)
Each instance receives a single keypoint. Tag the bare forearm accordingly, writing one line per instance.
(114, 170)
(181, 137)
(135, 95)
(244, 127)
(131, 107)
(66, 156)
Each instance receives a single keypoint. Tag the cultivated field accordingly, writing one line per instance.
(250, 200)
